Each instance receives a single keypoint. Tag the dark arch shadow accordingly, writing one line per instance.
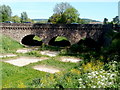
(29, 41)
(61, 43)
(89, 43)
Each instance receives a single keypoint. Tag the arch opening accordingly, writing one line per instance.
(89, 43)
(59, 41)
(31, 40)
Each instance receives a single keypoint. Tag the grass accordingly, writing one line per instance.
(54, 62)
(8, 45)
(60, 38)
(37, 38)
(18, 77)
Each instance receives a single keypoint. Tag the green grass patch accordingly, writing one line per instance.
(54, 62)
(60, 38)
(18, 77)
(37, 38)
(8, 45)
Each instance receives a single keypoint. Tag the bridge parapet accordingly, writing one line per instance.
(37, 25)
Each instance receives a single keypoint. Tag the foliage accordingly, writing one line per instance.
(5, 13)
(115, 43)
(71, 15)
(15, 19)
(112, 52)
(54, 18)
(24, 17)
(64, 13)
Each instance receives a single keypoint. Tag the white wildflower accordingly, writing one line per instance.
(99, 82)
(108, 73)
(101, 76)
(112, 75)
(80, 79)
(96, 72)
(110, 83)
(93, 86)
(89, 77)
(115, 61)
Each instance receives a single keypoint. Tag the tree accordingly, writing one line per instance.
(15, 19)
(24, 17)
(71, 15)
(64, 13)
(61, 8)
(5, 13)
(105, 21)
(116, 20)
(54, 18)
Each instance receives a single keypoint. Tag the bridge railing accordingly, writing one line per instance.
(37, 25)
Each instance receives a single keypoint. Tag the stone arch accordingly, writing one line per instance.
(60, 43)
(30, 41)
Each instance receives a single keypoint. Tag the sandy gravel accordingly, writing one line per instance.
(22, 61)
(45, 68)
(70, 59)
(7, 55)
(24, 50)
(49, 53)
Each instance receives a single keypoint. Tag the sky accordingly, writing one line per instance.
(43, 9)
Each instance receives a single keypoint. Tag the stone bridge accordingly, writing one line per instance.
(73, 32)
